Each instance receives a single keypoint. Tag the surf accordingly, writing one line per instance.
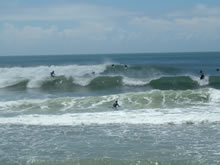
(134, 101)
(102, 77)
(150, 116)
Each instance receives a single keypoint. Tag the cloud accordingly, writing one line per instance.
(199, 23)
(80, 12)
(93, 29)
(199, 10)
(27, 32)
(89, 22)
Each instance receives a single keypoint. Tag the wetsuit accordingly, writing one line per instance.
(52, 74)
(115, 105)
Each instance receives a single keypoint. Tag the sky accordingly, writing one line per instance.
(50, 27)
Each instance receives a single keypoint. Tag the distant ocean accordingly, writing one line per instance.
(167, 115)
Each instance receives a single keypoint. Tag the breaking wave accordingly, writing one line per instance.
(104, 76)
(154, 107)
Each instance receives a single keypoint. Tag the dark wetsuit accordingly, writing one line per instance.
(52, 74)
(202, 76)
(115, 105)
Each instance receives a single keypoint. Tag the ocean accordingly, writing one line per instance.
(167, 114)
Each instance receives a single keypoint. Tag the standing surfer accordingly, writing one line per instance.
(202, 76)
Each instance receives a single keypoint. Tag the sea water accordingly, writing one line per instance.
(167, 115)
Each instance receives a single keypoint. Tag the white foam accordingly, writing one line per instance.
(82, 74)
(134, 82)
(202, 82)
(150, 116)
(214, 96)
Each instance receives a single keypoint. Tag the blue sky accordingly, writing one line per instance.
(42, 27)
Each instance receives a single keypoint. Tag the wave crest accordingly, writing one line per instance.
(96, 77)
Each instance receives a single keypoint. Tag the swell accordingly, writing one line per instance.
(109, 82)
(175, 83)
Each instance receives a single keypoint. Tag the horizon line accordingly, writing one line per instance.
(84, 54)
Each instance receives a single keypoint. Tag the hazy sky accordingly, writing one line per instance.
(37, 27)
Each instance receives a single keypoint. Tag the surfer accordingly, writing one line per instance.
(202, 76)
(115, 105)
(52, 74)
(126, 67)
(217, 69)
